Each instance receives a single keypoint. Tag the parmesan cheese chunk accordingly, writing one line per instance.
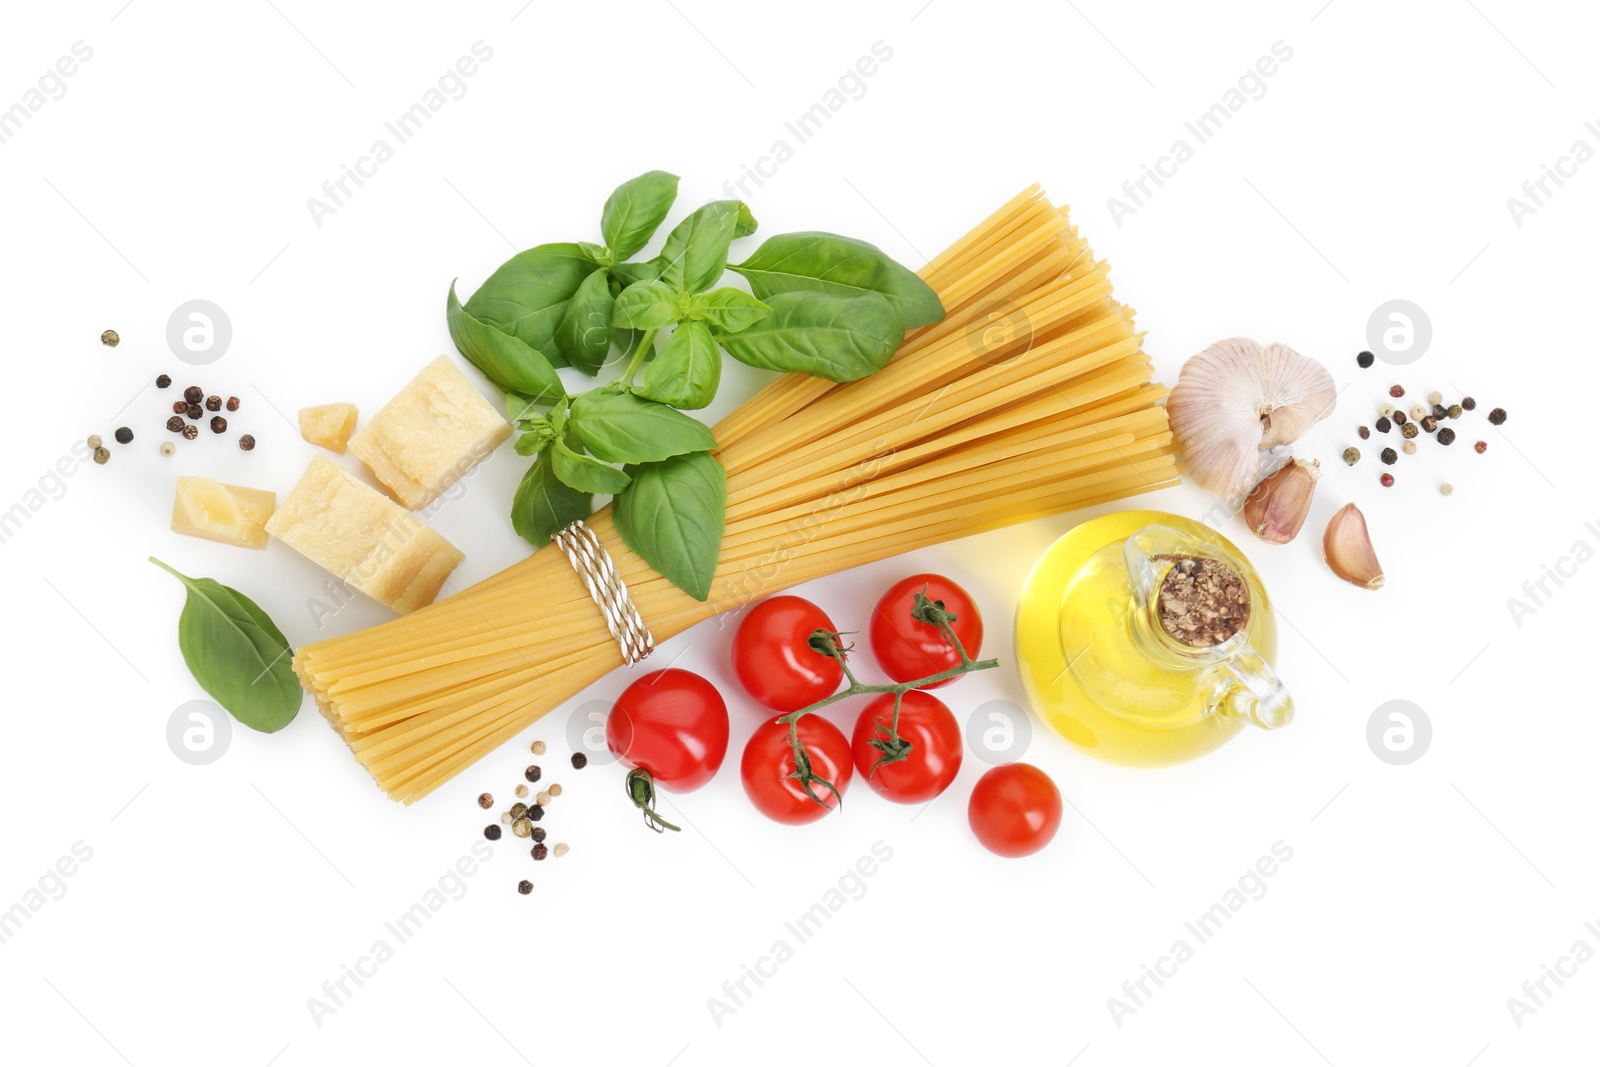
(363, 538)
(231, 514)
(328, 425)
(437, 429)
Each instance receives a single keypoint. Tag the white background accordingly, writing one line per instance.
(1377, 165)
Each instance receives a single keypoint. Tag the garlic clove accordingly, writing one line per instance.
(1235, 400)
(1348, 549)
(1278, 507)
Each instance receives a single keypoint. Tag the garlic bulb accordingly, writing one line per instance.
(1236, 400)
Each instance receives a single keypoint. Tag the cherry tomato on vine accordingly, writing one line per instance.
(769, 759)
(773, 657)
(672, 723)
(1015, 810)
(907, 649)
(932, 761)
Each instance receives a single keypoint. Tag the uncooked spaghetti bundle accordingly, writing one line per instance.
(1031, 397)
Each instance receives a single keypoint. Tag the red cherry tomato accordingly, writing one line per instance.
(674, 724)
(769, 759)
(935, 756)
(773, 657)
(1015, 810)
(907, 649)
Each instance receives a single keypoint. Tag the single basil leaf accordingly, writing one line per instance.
(696, 252)
(728, 309)
(843, 266)
(584, 336)
(544, 506)
(673, 516)
(527, 296)
(237, 654)
(635, 209)
(534, 441)
(627, 274)
(585, 473)
(840, 338)
(646, 306)
(624, 428)
(687, 370)
(504, 360)
(745, 224)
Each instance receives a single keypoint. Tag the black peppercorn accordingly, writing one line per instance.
(535, 812)
(247, 442)
(533, 773)
(233, 403)
(579, 761)
(163, 380)
(175, 424)
(219, 424)
(1383, 425)
(123, 435)
(540, 852)
(213, 402)
(538, 833)
(1389, 455)
(1429, 424)
(1363, 432)
(194, 394)
(190, 431)
(1440, 411)
(1447, 436)
(492, 832)
(1364, 359)
(524, 887)
(1468, 404)
(194, 411)
(1497, 416)
(1399, 418)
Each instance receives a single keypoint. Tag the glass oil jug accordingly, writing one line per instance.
(1118, 664)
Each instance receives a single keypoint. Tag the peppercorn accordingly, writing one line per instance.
(1454, 411)
(1435, 396)
(579, 761)
(1396, 391)
(175, 424)
(505, 818)
(524, 887)
(163, 380)
(1388, 455)
(522, 790)
(1409, 448)
(194, 412)
(522, 827)
(492, 832)
(1497, 416)
(1418, 411)
(1364, 359)
(194, 394)
(213, 402)
(1445, 489)
(1352, 456)
(1446, 436)
(94, 442)
(555, 789)
(535, 812)
(219, 424)
(1363, 433)
(543, 798)
(533, 773)
(1399, 418)
(1429, 424)
(102, 454)
(540, 852)
(1385, 410)
(485, 800)
(538, 833)
(123, 435)
(538, 748)
(518, 810)
(1440, 411)
(1481, 447)
(180, 407)
(1386, 481)
(110, 339)
(1383, 425)
(233, 403)
(1410, 430)
(168, 448)
(1468, 404)
(561, 850)
(247, 442)
(190, 431)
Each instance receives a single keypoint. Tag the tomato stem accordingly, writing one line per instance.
(641, 789)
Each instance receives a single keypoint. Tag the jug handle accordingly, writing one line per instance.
(1256, 695)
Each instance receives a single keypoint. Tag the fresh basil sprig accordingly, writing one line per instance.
(819, 304)
(237, 654)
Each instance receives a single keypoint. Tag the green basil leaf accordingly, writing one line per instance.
(586, 473)
(521, 410)
(746, 223)
(633, 273)
(673, 516)
(728, 309)
(237, 654)
(687, 370)
(840, 338)
(532, 443)
(623, 428)
(527, 296)
(584, 336)
(544, 506)
(595, 252)
(646, 306)
(843, 266)
(696, 252)
(504, 360)
(635, 209)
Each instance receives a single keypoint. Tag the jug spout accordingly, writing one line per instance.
(1255, 694)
